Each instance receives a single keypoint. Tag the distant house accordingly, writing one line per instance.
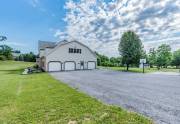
(65, 55)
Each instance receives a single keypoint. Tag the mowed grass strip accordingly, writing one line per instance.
(140, 70)
(38, 98)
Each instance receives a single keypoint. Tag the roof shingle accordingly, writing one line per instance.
(46, 44)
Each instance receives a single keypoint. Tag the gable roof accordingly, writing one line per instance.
(66, 42)
(46, 44)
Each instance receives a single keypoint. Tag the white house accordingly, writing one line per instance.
(65, 55)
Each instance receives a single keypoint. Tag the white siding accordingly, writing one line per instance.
(41, 53)
(62, 54)
(47, 50)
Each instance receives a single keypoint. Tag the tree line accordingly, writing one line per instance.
(103, 60)
(7, 53)
(162, 57)
(131, 51)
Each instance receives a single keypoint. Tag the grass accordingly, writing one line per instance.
(38, 98)
(140, 70)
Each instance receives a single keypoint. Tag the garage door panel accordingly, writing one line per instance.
(69, 66)
(91, 65)
(54, 66)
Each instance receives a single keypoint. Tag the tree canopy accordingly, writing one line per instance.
(27, 57)
(176, 58)
(5, 52)
(152, 57)
(103, 60)
(130, 48)
(164, 55)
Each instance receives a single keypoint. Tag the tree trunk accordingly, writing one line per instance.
(158, 67)
(151, 66)
(127, 67)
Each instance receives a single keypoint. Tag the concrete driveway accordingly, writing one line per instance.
(154, 95)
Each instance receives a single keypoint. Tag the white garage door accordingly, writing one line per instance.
(54, 66)
(91, 65)
(69, 66)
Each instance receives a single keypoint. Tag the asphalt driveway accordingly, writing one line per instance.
(154, 95)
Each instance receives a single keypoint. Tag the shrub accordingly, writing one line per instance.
(36, 66)
(107, 64)
(3, 58)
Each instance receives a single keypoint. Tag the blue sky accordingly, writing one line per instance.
(97, 23)
(24, 22)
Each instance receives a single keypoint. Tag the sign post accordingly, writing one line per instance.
(142, 62)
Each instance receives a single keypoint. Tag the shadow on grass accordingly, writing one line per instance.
(13, 71)
(18, 72)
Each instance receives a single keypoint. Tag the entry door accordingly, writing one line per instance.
(82, 65)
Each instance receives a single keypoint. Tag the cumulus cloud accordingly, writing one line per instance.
(100, 24)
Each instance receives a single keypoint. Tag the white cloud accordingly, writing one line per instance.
(17, 44)
(174, 42)
(34, 3)
(100, 24)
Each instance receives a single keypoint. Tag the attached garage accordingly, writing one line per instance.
(66, 56)
(54, 66)
(69, 65)
(91, 65)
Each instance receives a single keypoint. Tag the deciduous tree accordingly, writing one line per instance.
(163, 55)
(152, 57)
(176, 58)
(6, 51)
(130, 48)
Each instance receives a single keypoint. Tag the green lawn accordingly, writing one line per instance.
(38, 98)
(139, 70)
